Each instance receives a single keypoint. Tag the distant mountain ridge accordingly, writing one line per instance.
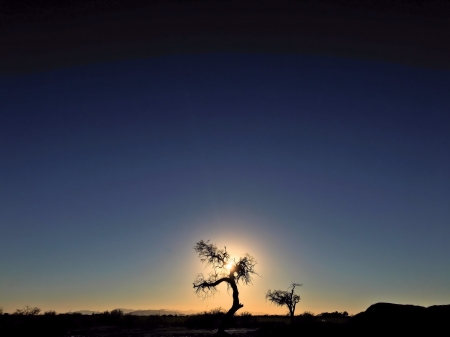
(143, 312)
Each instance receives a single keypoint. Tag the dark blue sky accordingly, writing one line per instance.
(332, 172)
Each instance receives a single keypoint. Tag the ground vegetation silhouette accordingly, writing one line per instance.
(50, 313)
(226, 270)
(335, 314)
(286, 298)
(379, 319)
(28, 311)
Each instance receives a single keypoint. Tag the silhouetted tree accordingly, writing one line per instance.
(224, 270)
(285, 298)
(1, 311)
(27, 311)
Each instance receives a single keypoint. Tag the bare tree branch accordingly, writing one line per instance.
(206, 288)
(209, 253)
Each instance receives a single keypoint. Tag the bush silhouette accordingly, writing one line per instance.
(334, 314)
(28, 311)
(50, 313)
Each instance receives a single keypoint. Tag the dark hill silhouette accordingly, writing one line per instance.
(395, 310)
(389, 317)
(439, 311)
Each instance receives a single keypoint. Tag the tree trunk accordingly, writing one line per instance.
(236, 306)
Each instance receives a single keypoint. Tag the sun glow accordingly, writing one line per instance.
(229, 265)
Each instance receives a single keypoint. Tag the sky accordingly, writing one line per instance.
(319, 144)
(331, 172)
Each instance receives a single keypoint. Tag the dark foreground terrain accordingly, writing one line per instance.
(381, 318)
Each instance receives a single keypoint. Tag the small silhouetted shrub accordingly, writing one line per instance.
(306, 317)
(50, 313)
(335, 314)
(28, 311)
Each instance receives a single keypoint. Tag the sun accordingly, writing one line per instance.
(229, 265)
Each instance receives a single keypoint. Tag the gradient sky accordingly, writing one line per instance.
(332, 172)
